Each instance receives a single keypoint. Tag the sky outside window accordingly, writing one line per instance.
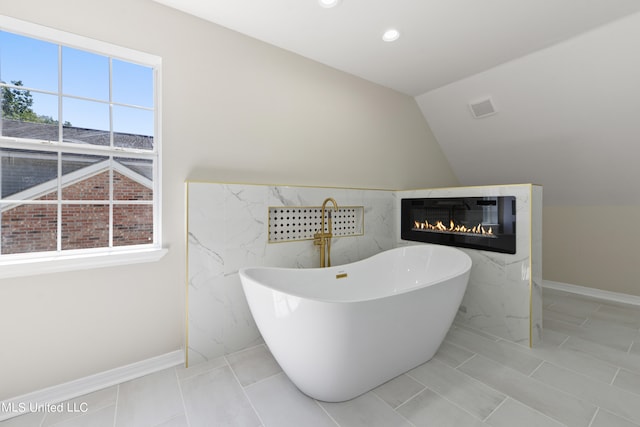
(85, 75)
(33, 61)
(126, 76)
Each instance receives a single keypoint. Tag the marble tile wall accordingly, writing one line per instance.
(504, 295)
(227, 228)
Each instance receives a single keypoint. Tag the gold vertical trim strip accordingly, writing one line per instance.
(530, 266)
(186, 279)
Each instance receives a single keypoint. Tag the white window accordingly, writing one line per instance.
(79, 148)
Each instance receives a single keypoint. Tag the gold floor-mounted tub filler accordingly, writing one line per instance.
(322, 238)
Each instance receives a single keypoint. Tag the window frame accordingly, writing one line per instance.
(13, 265)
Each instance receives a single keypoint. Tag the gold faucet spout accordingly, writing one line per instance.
(323, 239)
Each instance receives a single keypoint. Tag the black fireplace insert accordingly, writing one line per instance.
(485, 223)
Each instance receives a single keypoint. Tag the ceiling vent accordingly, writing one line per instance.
(482, 108)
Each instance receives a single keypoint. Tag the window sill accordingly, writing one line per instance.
(61, 263)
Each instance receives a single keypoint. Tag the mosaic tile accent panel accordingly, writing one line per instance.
(291, 223)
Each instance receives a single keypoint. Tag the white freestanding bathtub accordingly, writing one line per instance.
(338, 332)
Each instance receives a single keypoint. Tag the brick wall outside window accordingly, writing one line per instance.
(33, 228)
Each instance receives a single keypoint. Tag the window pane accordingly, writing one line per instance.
(28, 175)
(132, 84)
(30, 61)
(133, 179)
(132, 225)
(28, 228)
(133, 128)
(86, 122)
(85, 74)
(85, 177)
(58, 196)
(85, 226)
(28, 114)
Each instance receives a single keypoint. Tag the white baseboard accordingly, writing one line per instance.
(59, 393)
(592, 292)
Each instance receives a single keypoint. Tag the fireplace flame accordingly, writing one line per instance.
(453, 228)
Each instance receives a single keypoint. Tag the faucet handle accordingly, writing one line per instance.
(318, 239)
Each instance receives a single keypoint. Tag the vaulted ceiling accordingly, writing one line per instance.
(562, 77)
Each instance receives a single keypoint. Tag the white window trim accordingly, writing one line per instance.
(45, 263)
(31, 266)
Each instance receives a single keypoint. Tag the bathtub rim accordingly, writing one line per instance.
(465, 269)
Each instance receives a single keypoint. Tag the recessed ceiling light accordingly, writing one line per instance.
(328, 3)
(391, 35)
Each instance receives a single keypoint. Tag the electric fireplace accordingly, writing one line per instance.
(485, 223)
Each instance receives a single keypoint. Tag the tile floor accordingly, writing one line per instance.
(585, 374)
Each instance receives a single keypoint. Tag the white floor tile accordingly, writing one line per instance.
(25, 420)
(605, 326)
(602, 337)
(101, 418)
(84, 405)
(620, 312)
(199, 368)
(459, 388)
(575, 307)
(280, 404)
(629, 381)
(552, 402)
(499, 351)
(367, 410)
(552, 338)
(429, 409)
(179, 421)
(627, 316)
(513, 413)
(607, 419)
(149, 400)
(215, 398)
(575, 360)
(572, 319)
(475, 376)
(611, 355)
(253, 364)
(452, 355)
(611, 398)
(398, 390)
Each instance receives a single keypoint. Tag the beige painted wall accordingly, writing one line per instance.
(234, 109)
(593, 246)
